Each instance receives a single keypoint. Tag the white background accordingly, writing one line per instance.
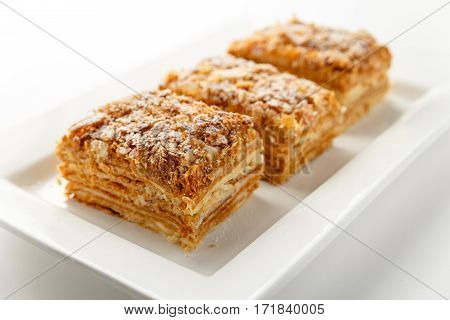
(37, 73)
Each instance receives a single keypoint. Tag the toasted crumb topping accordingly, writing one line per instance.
(340, 46)
(308, 46)
(173, 138)
(259, 89)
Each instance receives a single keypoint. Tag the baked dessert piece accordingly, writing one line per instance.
(296, 118)
(352, 64)
(169, 163)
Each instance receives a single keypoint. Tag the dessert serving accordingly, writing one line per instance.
(352, 64)
(169, 163)
(296, 118)
(180, 159)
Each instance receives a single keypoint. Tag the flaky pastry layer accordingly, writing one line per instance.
(187, 231)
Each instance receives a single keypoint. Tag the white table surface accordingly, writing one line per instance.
(38, 73)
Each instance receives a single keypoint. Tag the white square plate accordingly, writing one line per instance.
(261, 245)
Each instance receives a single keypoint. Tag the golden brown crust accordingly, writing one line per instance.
(291, 114)
(334, 58)
(173, 140)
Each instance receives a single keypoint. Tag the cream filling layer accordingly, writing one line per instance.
(355, 93)
(222, 196)
(223, 189)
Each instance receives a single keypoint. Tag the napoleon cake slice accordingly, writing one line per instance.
(167, 162)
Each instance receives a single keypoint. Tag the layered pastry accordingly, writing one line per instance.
(352, 64)
(169, 163)
(296, 118)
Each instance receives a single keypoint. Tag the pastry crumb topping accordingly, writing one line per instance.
(163, 133)
(321, 46)
(257, 88)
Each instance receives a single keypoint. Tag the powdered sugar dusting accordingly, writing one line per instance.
(162, 132)
(226, 80)
(321, 46)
